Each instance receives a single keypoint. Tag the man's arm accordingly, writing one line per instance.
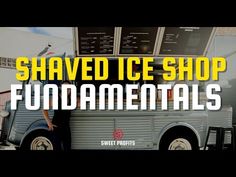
(47, 118)
(78, 102)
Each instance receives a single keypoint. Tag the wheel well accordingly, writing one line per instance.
(32, 133)
(183, 130)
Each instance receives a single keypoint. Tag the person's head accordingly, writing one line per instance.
(66, 82)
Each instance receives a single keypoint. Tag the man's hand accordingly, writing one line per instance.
(49, 122)
(50, 125)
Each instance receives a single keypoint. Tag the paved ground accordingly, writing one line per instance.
(7, 147)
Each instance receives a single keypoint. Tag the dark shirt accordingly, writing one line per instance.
(61, 117)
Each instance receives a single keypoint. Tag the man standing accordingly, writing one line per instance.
(60, 122)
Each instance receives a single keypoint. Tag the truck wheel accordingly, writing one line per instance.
(180, 140)
(40, 140)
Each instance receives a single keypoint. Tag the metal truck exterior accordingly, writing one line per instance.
(148, 129)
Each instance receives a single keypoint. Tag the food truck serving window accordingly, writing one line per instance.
(112, 77)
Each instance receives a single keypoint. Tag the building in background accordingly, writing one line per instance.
(4, 97)
(15, 43)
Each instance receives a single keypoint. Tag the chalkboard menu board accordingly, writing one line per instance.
(96, 40)
(185, 40)
(138, 40)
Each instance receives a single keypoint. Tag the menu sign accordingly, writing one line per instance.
(138, 40)
(96, 40)
(185, 40)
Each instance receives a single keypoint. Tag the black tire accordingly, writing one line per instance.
(40, 140)
(179, 139)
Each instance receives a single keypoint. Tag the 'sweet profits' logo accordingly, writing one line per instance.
(118, 135)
